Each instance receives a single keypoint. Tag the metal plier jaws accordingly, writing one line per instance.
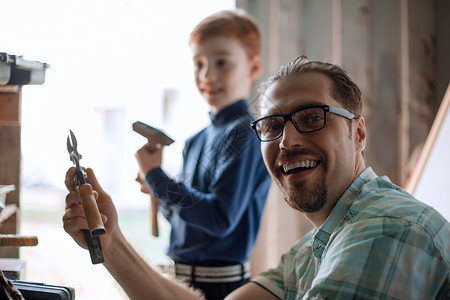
(75, 157)
(88, 203)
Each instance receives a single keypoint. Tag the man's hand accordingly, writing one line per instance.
(74, 219)
(132, 272)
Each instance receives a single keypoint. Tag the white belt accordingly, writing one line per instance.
(213, 274)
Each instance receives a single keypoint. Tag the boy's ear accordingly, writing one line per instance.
(256, 67)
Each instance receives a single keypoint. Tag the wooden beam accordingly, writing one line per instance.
(337, 32)
(403, 124)
(413, 180)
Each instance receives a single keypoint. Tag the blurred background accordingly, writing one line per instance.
(111, 63)
(116, 62)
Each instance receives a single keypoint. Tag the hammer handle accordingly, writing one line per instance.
(154, 204)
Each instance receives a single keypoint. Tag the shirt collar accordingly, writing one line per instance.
(339, 211)
(228, 113)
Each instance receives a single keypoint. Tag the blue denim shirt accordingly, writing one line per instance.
(215, 206)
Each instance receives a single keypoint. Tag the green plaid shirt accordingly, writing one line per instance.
(378, 243)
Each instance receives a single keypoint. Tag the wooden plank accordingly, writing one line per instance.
(259, 10)
(357, 53)
(444, 110)
(316, 27)
(442, 59)
(10, 174)
(10, 160)
(10, 108)
(423, 99)
(382, 148)
(403, 140)
(430, 183)
(337, 32)
(285, 31)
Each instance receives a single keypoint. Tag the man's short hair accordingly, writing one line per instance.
(345, 91)
(232, 24)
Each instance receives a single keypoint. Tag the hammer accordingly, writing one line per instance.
(154, 137)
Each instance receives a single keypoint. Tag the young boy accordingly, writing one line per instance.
(216, 206)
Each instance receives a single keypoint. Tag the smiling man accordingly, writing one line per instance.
(371, 240)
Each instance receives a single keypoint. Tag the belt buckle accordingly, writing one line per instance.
(171, 268)
(168, 268)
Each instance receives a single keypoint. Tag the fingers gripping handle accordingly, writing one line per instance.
(91, 211)
(95, 223)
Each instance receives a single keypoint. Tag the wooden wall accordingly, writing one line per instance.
(395, 50)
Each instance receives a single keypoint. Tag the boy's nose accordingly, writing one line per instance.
(208, 73)
(291, 138)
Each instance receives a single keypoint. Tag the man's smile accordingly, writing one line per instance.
(298, 166)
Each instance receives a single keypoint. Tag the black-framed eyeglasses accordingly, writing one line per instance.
(305, 120)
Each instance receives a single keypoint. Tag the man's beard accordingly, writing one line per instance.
(308, 201)
(298, 196)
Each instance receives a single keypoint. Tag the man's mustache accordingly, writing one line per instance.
(295, 152)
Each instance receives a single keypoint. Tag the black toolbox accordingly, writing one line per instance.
(41, 291)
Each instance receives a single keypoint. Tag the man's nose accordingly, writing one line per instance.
(291, 138)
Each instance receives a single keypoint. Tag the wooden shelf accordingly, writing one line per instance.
(15, 72)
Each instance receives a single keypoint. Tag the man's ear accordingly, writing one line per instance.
(360, 137)
(256, 67)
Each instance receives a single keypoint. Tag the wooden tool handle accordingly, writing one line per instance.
(90, 209)
(17, 240)
(154, 216)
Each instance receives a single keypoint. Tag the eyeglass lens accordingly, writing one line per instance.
(305, 120)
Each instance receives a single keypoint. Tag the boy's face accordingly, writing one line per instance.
(223, 72)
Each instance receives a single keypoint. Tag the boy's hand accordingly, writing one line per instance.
(144, 187)
(74, 219)
(149, 159)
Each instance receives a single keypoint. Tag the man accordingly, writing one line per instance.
(371, 239)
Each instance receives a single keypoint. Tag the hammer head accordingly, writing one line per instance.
(154, 135)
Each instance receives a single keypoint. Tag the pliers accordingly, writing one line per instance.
(88, 203)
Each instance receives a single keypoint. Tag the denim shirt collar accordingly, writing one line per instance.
(229, 113)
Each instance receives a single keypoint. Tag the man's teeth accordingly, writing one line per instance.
(299, 164)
